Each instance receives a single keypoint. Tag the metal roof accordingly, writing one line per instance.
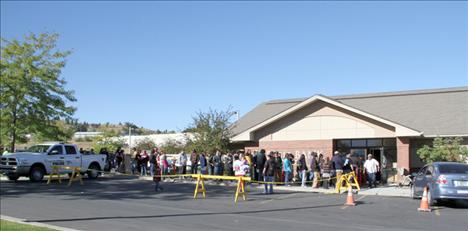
(441, 111)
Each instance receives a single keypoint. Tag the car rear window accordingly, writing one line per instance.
(454, 168)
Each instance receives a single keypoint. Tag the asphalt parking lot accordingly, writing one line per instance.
(125, 203)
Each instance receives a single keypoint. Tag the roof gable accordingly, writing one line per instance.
(400, 130)
(433, 112)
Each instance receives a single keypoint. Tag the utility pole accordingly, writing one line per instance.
(130, 140)
(237, 115)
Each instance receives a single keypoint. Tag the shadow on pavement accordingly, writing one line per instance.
(454, 204)
(115, 188)
(187, 214)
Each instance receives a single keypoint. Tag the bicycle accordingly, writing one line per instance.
(405, 180)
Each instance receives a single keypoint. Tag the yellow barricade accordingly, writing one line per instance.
(76, 175)
(55, 172)
(240, 189)
(200, 187)
(349, 179)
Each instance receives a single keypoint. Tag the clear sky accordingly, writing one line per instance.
(156, 63)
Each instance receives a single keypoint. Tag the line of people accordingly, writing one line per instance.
(316, 170)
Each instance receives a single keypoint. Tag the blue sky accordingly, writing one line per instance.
(157, 63)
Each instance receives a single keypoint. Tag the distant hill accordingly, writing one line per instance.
(113, 129)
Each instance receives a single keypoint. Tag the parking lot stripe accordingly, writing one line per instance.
(279, 198)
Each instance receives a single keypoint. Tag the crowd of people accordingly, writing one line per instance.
(307, 170)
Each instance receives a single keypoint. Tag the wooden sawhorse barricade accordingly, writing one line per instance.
(240, 190)
(75, 175)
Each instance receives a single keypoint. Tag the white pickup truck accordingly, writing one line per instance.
(38, 160)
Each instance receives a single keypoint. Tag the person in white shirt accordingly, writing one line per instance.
(372, 167)
(182, 162)
(240, 166)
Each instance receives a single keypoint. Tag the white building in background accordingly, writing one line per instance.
(82, 135)
(158, 139)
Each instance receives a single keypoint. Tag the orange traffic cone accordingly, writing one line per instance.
(424, 207)
(350, 197)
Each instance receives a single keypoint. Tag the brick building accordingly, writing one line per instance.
(391, 125)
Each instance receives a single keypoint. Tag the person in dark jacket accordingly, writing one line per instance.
(269, 174)
(302, 169)
(108, 165)
(203, 164)
(325, 169)
(144, 158)
(194, 158)
(254, 166)
(260, 163)
(137, 161)
(279, 165)
(337, 163)
(153, 161)
(348, 164)
(228, 165)
(315, 169)
(217, 164)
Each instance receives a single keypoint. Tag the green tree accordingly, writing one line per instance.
(211, 131)
(32, 92)
(111, 144)
(172, 146)
(65, 133)
(145, 144)
(444, 149)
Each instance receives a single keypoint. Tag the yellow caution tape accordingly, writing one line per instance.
(345, 178)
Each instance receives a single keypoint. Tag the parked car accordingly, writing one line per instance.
(38, 160)
(445, 181)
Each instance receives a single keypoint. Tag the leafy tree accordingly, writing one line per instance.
(32, 92)
(111, 144)
(172, 146)
(444, 149)
(145, 144)
(211, 131)
(65, 133)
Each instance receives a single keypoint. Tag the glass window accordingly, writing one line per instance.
(429, 170)
(374, 143)
(389, 142)
(70, 149)
(358, 143)
(422, 171)
(57, 148)
(343, 143)
(453, 168)
(39, 148)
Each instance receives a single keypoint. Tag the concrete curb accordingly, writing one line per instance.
(23, 221)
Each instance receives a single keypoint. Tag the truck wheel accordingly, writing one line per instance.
(13, 178)
(93, 173)
(36, 174)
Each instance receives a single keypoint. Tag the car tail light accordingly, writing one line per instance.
(441, 180)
